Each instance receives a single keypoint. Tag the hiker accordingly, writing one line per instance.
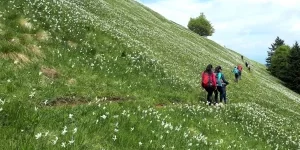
(240, 68)
(209, 82)
(216, 91)
(246, 64)
(242, 57)
(249, 67)
(221, 84)
(236, 73)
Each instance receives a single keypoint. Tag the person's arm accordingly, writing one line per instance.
(225, 81)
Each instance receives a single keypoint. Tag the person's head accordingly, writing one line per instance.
(218, 69)
(209, 68)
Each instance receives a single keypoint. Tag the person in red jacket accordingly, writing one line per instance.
(240, 68)
(209, 82)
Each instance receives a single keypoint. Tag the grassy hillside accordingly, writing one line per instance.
(113, 74)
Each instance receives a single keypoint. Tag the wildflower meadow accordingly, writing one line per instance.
(113, 74)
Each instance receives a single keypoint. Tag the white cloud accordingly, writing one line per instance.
(246, 26)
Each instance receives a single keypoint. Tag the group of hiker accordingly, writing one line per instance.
(237, 70)
(246, 63)
(214, 82)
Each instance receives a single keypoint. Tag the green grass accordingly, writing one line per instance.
(128, 79)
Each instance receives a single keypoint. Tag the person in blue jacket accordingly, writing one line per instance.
(236, 73)
(221, 84)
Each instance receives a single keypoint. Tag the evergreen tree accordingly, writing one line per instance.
(293, 75)
(274, 46)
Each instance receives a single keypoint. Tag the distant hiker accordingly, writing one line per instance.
(240, 68)
(221, 84)
(236, 73)
(246, 64)
(242, 57)
(209, 82)
(249, 67)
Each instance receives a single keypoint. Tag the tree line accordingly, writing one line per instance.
(283, 62)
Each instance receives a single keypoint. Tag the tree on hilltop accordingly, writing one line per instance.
(279, 62)
(274, 46)
(293, 76)
(201, 26)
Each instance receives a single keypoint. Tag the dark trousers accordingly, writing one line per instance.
(216, 96)
(236, 75)
(222, 91)
(209, 91)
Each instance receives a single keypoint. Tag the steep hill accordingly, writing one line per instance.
(113, 74)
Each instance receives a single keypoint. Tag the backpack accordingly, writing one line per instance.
(239, 68)
(206, 80)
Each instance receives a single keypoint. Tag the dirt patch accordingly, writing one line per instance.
(25, 23)
(42, 35)
(71, 81)
(49, 72)
(35, 50)
(27, 37)
(159, 105)
(17, 57)
(66, 101)
(72, 44)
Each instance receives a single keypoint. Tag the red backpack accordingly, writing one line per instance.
(207, 80)
(240, 68)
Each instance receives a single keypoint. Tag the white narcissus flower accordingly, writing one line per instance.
(63, 144)
(114, 138)
(54, 141)
(72, 141)
(32, 94)
(2, 102)
(70, 116)
(74, 130)
(46, 133)
(64, 131)
(116, 130)
(45, 102)
(39, 135)
(104, 116)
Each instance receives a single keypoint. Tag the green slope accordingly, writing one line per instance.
(108, 74)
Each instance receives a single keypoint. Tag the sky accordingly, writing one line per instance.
(248, 27)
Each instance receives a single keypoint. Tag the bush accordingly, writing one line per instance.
(201, 26)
